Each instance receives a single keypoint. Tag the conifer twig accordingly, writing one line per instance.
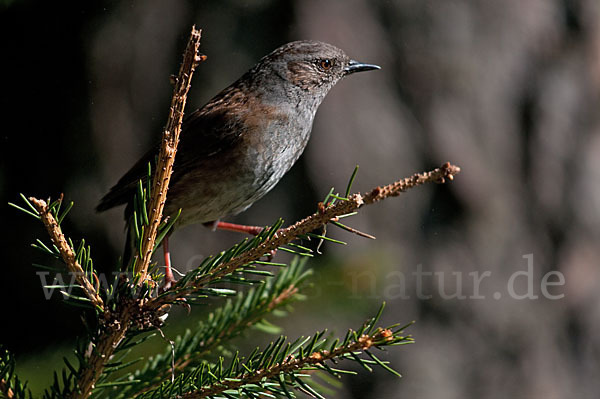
(320, 218)
(101, 352)
(291, 364)
(66, 252)
(166, 158)
(5, 389)
(205, 346)
(119, 323)
(438, 175)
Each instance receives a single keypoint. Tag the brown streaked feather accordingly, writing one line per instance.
(204, 133)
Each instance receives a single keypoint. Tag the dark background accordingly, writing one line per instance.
(508, 90)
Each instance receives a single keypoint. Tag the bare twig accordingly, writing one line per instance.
(66, 252)
(353, 230)
(166, 158)
(438, 175)
(320, 218)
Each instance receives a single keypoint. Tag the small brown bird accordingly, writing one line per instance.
(238, 146)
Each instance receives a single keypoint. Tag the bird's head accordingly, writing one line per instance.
(311, 66)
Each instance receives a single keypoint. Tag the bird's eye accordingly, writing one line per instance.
(326, 64)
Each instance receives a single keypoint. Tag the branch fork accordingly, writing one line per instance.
(320, 218)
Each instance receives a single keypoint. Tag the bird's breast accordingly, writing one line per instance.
(272, 148)
(270, 141)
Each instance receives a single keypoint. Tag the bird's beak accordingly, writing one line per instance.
(355, 66)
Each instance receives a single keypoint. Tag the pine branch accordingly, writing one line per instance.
(119, 322)
(245, 311)
(275, 238)
(66, 251)
(282, 365)
(438, 175)
(223, 324)
(101, 352)
(166, 158)
(10, 385)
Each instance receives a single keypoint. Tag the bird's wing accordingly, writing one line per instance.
(204, 133)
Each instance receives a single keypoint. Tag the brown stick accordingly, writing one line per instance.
(166, 158)
(102, 352)
(66, 252)
(311, 223)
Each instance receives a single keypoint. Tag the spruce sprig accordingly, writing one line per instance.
(233, 318)
(10, 384)
(284, 366)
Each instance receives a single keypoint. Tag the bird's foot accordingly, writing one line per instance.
(169, 278)
(240, 228)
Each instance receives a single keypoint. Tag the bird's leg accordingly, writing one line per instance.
(239, 228)
(169, 278)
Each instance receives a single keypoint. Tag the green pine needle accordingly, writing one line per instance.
(282, 366)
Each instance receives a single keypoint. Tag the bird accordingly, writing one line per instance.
(237, 147)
